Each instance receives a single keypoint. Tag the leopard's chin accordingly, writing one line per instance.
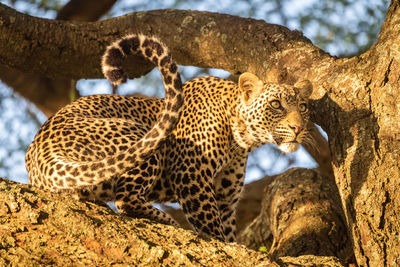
(288, 147)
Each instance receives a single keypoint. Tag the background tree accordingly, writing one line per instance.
(355, 98)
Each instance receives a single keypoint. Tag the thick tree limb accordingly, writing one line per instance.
(49, 95)
(361, 114)
(73, 49)
(42, 228)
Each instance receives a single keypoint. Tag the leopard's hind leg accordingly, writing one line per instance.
(132, 189)
(130, 200)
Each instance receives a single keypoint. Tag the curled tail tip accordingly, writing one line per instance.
(112, 65)
(115, 54)
(116, 76)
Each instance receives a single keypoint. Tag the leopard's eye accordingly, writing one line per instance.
(275, 104)
(303, 107)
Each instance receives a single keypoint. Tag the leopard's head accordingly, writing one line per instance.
(272, 113)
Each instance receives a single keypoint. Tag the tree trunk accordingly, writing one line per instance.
(359, 109)
(356, 99)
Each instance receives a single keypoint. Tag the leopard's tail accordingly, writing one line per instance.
(72, 174)
(157, 53)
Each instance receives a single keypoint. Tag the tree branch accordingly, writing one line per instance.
(196, 38)
(43, 228)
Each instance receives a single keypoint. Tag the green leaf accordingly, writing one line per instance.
(263, 249)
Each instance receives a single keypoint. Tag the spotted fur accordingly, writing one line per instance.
(136, 151)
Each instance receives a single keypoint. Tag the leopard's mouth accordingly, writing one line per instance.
(279, 140)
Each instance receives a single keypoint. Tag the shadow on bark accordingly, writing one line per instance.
(355, 128)
(354, 142)
(300, 214)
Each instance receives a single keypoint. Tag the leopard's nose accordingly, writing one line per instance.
(296, 128)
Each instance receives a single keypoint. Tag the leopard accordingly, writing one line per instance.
(190, 147)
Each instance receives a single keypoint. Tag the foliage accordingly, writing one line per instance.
(346, 27)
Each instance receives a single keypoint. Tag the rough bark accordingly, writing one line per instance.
(356, 99)
(43, 228)
(300, 214)
(360, 112)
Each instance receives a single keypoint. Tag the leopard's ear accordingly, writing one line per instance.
(305, 88)
(250, 86)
